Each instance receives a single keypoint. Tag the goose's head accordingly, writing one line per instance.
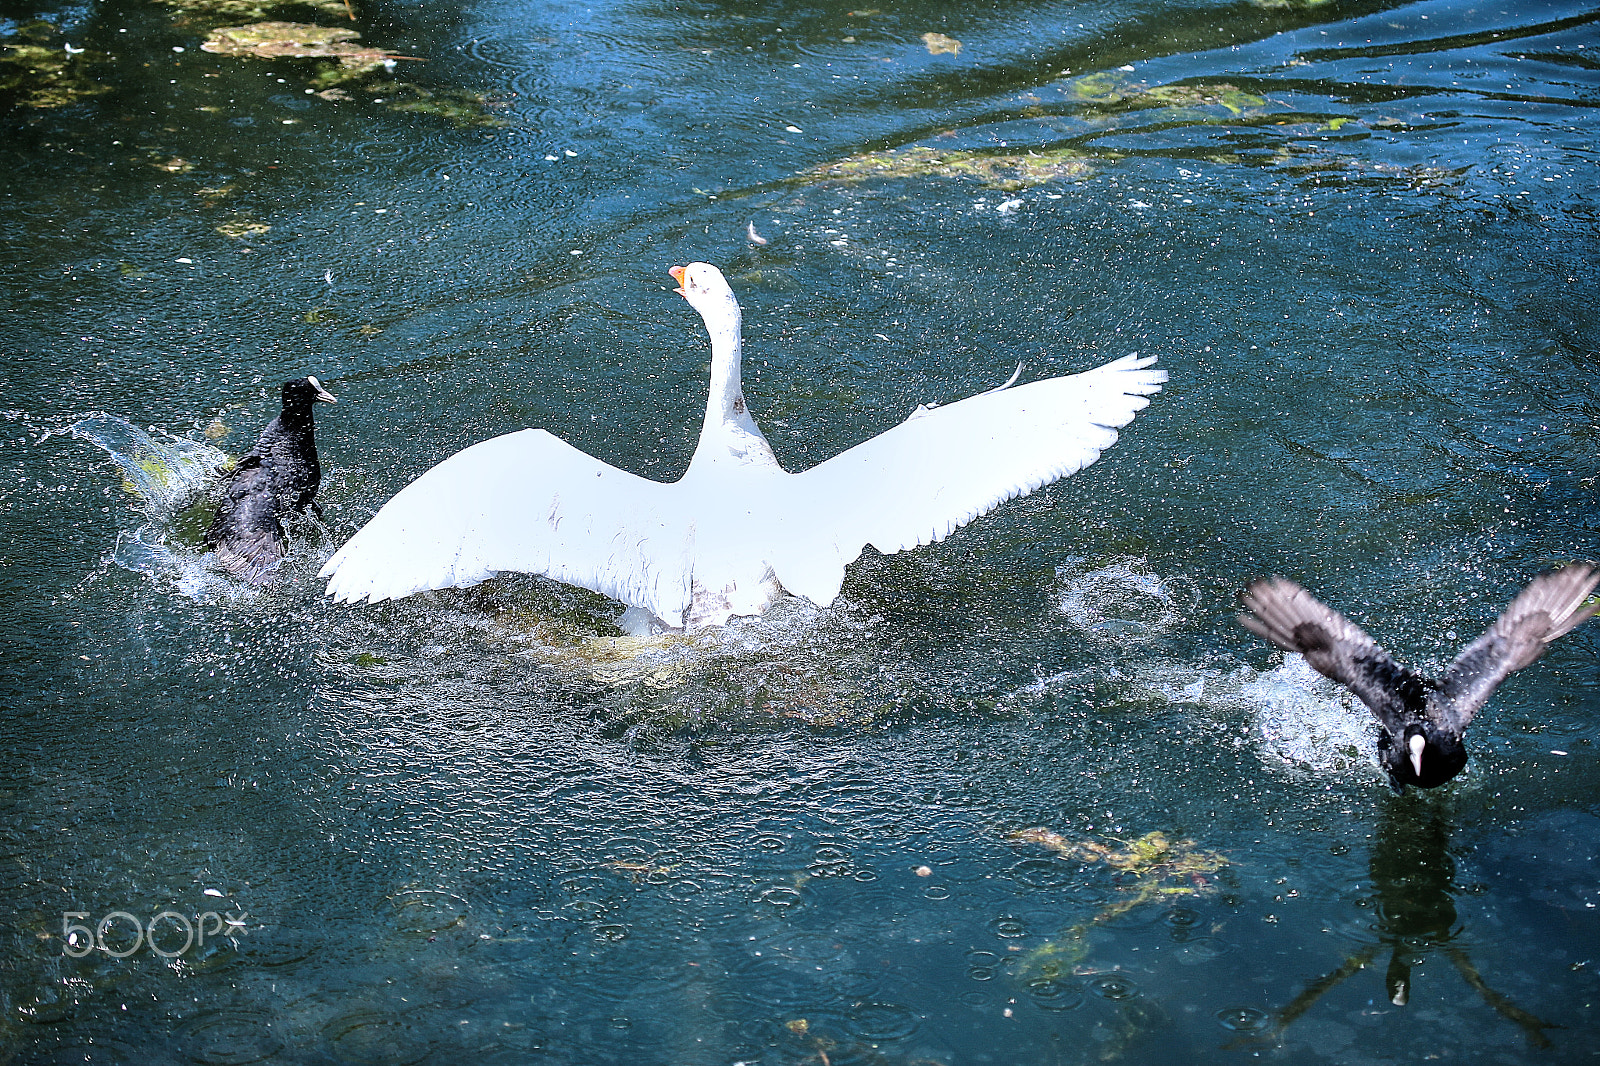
(706, 290)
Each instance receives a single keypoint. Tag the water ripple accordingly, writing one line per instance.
(229, 1037)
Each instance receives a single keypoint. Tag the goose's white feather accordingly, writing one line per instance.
(736, 531)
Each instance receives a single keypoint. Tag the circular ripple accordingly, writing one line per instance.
(1243, 1019)
(1040, 873)
(425, 911)
(229, 1038)
(1180, 918)
(47, 1006)
(372, 1038)
(882, 1021)
(213, 955)
(983, 965)
(629, 849)
(782, 897)
(806, 947)
(830, 851)
(1114, 986)
(1200, 949)
(770, 844)
(1009, 927)
(791, 990)
(1049, 993)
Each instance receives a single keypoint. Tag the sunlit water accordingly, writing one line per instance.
(481, 826)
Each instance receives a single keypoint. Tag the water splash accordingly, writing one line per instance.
(1121, 600)
(1301, 723)
(172, 478)
(168, 475)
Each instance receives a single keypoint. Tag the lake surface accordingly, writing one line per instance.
(1026, 795)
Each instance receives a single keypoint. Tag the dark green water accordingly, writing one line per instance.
(1363, 239)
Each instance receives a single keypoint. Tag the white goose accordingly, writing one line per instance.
(736, 531)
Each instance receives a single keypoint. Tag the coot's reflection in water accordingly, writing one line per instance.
(1413, 894)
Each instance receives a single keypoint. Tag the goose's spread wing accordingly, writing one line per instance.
(525, 502)
(943, 467)
(1287, 615)
(1548, 608)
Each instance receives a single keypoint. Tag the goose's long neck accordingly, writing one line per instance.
(728, 431)
(725, 403)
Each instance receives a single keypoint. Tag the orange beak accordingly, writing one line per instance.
(677, 275)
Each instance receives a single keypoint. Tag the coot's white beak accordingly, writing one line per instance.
(323, 395)
(1416, 744)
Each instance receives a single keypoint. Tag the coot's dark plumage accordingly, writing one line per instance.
(1422, 720)
(277, 479)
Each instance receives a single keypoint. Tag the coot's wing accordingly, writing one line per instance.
(246, 533)
(1549, 607)
(1294, 620)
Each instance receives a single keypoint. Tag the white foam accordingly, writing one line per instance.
(1120, 600)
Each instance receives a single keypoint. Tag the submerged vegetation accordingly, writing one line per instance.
(208, 11)
(1098, 101)
(293, 40)
(1153, 867)
(1009, 170)
(39, 68)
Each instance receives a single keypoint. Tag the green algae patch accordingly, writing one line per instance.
(39, 69)
(240, 228)
(1228, 97)
(1102, 87)
(331, 77)
(1005, 170)
(461, 109)
(1152, 867)
(207, 11)
(341, 67)
(293, 40)
(1117, 91)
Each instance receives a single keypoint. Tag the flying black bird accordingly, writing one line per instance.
(1422, 720)
(278, 478)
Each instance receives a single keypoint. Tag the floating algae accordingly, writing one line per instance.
(1109, 94)
(1230, 98)
(293, 40)
(1102, 87)
(1152, 867)
(240, 228)
(192, 11)
(39, 69)
(346, 65)
(1003, 170)
(1110, 89)
(461, 109)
